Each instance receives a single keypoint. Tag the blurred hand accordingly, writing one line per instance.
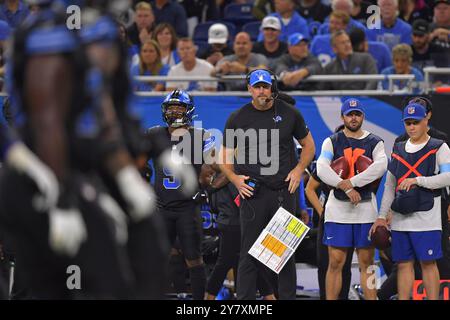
(67, 231)
(23, 160)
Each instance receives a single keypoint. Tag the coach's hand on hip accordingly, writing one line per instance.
(244, 189)
(294, 179)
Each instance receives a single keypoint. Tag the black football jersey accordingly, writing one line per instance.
(191, 145)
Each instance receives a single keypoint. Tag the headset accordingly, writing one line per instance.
(273, 77)
(274, 88)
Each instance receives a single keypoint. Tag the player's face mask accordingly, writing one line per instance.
(176, 115)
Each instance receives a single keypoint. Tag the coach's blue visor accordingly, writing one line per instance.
(258, 76)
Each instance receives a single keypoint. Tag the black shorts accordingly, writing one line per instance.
(187, 225)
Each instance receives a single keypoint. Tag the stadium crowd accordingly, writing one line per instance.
(234, 37)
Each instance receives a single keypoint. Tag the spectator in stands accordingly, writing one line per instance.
(13, 12)
(173, 13)
(142, 28)
(392, 30)
(297, 65)
(426, 53)
(190, 66)
(167, 39)
(271, 46)
(262, 8)
(411, 10)
(440, 28)
(240, 63)
(343, 6)
(132, 49)
(402, 60)
(349, 62)
(217, 44)
(313, 10)
(150, 64)
(321, 44)
(378, 50)
(291, 21)
(359, 11)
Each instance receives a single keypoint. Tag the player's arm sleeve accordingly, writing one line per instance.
(388, 195)
(324, 171)
(375, 170)
(442, 179)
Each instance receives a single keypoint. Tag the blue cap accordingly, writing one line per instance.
(295, 39)
(414, 111)
(350, 105)
(258, 76)
(5, 30)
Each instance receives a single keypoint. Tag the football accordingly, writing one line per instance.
(381, 238)
(362, 163)
(341, 167)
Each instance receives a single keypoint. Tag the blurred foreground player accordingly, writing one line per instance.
(47, 69)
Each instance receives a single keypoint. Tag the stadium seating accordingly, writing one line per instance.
(252, 28)
(201, 30)
(239, 14)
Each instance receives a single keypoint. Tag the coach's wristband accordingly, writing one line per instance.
(349, 190)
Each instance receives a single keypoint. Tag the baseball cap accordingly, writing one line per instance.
(295, 39)
(420, 27)
(350, 105)
(414, 111)
(5, 30)
(436, 2)
(271, 22)
(260, 75)
(217, 33)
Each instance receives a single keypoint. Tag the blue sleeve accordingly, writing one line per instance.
(406, 34)
(302, 199)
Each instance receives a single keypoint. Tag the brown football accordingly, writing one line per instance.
(381, 238)
(341, 167)
(361, 164)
